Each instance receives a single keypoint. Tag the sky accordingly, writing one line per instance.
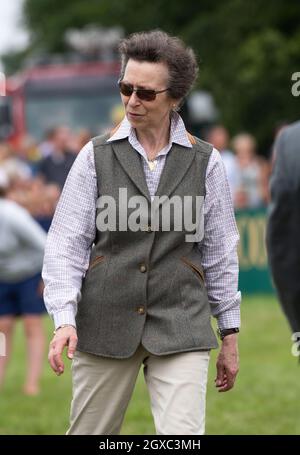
(12, 35)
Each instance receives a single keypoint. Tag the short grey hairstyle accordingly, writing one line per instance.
(157, 46)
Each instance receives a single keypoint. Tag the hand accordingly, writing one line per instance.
(227, 363)
(65, 336)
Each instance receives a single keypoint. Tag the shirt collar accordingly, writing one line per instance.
(178, 133)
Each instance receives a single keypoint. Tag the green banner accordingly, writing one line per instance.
(254, 274)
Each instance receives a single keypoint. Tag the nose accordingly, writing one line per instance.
(133, 100)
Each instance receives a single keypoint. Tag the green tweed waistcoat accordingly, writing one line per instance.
(145, 286)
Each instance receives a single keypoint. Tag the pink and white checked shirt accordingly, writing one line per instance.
(73, 229)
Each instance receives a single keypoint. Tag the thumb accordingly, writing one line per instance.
(72, 347)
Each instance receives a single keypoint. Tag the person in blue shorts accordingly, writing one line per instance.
(22, 243)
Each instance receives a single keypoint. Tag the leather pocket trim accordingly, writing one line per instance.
(95, 261)
(196, 269)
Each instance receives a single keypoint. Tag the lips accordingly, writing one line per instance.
(135, 115)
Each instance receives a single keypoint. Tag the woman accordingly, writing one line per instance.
(135, 292)
(22, 243)
(252, 174)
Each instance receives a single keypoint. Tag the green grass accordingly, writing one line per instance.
(265, 399)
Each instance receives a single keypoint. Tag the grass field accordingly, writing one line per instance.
(265, 399)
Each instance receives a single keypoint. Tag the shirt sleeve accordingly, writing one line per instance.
(218, 247)
(70, 238)
(27, 230)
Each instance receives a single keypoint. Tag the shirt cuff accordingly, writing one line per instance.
(229, 318)
(64, 317)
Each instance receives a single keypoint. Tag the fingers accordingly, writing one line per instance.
(227, 384)
(227, 364)
(72, 346)
(220, 379)
(55, 356)
(64, 337)
(227, 380)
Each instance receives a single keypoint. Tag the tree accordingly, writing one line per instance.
(248, 51)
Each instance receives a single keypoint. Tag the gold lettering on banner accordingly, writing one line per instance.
(252, 249)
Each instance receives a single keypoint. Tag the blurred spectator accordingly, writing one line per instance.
(28, 150)
(219, 137)
(252, 173)
(38, 198)
(46, 147)
(22, 243)
(13, 166)
(84, 136)
(78, 140)
(56, 166)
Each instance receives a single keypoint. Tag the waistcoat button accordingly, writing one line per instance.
(143, 268)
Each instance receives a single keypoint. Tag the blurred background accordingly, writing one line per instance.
(61, 69)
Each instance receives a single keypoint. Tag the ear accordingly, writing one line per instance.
(175, 104)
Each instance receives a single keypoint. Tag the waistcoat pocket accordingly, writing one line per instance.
(194, 268)
(96, 261)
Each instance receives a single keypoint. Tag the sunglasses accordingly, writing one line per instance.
(142, 93)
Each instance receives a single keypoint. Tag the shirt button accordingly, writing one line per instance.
(141, 310)
(143, 268)
(149, 229)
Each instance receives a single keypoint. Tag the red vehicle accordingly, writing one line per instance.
(79, 95)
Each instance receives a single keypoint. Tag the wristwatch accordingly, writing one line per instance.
(224, 332)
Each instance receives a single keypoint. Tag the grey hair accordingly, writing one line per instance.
(157, 46)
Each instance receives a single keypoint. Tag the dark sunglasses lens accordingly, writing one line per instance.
(146, 95)
(143, 94)
(125, 89)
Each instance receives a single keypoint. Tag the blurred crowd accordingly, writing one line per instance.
(32, 176)
(37, 171)
(248, 173)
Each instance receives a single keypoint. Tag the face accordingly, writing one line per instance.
(147, 114)
(219, 138)
(244, 149)
(61, 137)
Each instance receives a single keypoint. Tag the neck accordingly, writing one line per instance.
(154, 139)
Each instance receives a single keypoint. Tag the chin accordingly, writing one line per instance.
(135, 121)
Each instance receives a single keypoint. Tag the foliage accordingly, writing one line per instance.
(247, 50)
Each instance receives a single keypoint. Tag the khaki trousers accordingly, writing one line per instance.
(102, 388)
